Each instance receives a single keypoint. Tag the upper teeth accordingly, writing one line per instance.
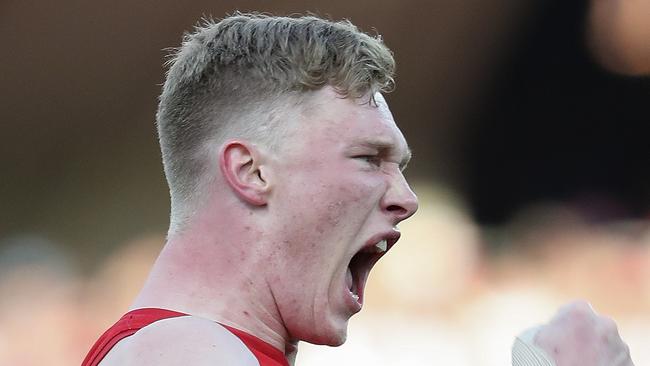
(382, 245)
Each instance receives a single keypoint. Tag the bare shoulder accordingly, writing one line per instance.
(187, 340)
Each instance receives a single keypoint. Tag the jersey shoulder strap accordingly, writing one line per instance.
(130, 323)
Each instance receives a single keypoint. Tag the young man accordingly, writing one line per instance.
(285, 171)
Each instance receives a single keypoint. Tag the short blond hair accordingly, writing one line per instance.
(238, 77)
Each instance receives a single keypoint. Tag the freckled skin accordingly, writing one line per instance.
(339, 204)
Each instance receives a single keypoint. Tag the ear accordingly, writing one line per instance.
(240, 164)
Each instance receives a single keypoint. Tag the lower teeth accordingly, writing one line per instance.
(355, 297)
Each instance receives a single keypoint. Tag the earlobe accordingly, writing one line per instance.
(240, 164)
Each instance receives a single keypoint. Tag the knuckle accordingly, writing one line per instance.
(577, 311)
(608, 324)
(608, 327)
(582, 307)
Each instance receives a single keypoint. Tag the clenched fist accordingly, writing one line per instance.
(576, 336)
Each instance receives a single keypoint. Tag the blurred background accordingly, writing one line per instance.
(528, 121)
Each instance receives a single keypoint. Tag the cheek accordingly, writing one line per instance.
(343, 206)
(316, 224)
(323, 204)
(327, 216)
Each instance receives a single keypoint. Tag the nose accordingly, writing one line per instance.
(399, 201)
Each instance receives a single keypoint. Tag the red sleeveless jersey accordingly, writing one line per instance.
(135, 320)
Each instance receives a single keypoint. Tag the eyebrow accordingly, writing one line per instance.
(387, 146)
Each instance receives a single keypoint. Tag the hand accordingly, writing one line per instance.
(576, 336)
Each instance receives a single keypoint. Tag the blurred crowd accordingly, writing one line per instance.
(440, 297)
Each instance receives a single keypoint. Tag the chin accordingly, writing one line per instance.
(333, 335)
(338, 339)
(332, 340)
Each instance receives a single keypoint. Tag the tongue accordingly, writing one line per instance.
(348, 279)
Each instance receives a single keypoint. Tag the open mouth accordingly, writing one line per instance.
(361, 264)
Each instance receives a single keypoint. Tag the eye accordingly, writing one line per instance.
(374, 160)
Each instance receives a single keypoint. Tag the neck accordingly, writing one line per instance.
(215, 270)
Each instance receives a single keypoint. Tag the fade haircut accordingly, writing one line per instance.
(245, 77)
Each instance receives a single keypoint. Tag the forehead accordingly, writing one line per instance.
(353, 120)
